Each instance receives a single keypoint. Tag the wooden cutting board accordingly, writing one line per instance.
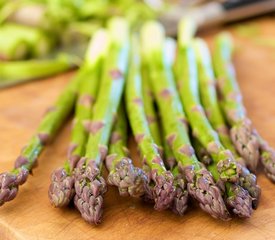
(31, 217)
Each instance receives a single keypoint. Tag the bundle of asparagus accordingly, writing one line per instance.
(189, 144)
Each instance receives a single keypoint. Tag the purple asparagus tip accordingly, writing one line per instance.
(246, 143)
(129, 179)
(180, 202)
(227, 167)
(240, 201)
(90, 188)
(249, 182)
(161, 189)
(9, 183)
(61, 190)
(201, 186)
(267, 159)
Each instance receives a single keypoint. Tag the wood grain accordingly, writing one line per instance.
(31, 217)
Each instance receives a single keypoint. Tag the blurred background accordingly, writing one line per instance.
(50, 36)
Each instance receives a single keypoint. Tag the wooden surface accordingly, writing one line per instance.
(31, 217)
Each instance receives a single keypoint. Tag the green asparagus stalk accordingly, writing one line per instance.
(90, 186)
(210, 103)
(160, 186)
(187, 81)
(129, 179)
(236, 197)
(61, 189)
(200, 183)
(241, 130)
(16, 72)
(47, 129)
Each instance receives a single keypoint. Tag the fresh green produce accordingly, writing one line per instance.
(129, 179)
(37, 42)
(200, 183)
(210, 103)
(187, 81)
(47, 129)
(15, 72)
(11, 47)
(236, 197)
(241, 131)
(90, 186)
(160, 187)
(61, 189)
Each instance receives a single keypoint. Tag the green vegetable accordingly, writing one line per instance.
(51, 122)
(90, 185)
(15, 72)
(174, 123)
(61, 189)
(160, 184)
(210, 103)
(187, 81)
(129, 179)
(236, 197)
(241, 132)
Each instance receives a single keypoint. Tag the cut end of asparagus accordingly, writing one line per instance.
(248, 181)
(129, 179)
(225, 44)
(149, 45)
(246, 143)
(119, 30)
(9, 183)
(180, 202)
(240, 201)
(229, 170)
(186, 30)
(98, 46)
(161, 189)
(61, 190)
(90, 188)
(201, 186)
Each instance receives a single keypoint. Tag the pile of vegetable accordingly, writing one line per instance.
(184, 108)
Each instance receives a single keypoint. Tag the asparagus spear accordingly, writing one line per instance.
(129, 179)
(15, 72)
(61, 189)
(160, 186)
(90, 186)
(187, 81)
(236, 197)
(52, 121)
(241, 132)
(200, 183)
(210, 103)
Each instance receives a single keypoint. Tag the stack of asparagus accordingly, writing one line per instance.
(191, 144)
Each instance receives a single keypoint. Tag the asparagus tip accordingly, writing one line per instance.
(246, 143)
(249, 182)
(129, 179)
(61, 189)
(163, 190)
(180, 202)
(229, 170)
(268, 160)
(90, 187)
(9, 183)
(240, 202)
(201, 186)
